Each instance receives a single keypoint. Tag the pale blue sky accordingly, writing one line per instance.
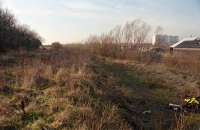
(75, 20)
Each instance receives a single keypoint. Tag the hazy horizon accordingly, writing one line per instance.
(73, 21)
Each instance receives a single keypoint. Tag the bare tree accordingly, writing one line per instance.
(116, 34)
(159, 30)
(92, 39)
(127, 33)
(136, 32)
(141, 31)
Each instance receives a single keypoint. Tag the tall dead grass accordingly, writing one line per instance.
(59, 95)
(187, 61)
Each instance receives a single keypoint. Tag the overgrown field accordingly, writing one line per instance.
(74, 89)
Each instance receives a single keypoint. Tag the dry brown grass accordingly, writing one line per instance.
(187, 61)
(56, 97)
(66, 90)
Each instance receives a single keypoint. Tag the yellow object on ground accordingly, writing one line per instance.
(192, 101)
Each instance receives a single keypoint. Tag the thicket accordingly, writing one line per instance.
(14, 36)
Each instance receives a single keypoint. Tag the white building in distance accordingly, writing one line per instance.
(164, 39)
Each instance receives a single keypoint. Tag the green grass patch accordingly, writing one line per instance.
(31, 117)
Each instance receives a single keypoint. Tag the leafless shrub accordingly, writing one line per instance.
(121, 40)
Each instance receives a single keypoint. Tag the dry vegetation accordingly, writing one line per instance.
(77, 89)
(112, 82)
(58, 93)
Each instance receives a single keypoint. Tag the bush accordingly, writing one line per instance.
(56, 46)
(153, 55)
(14, 36)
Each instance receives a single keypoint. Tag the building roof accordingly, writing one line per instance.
(185, 40)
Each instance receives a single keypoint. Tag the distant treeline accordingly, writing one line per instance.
(14, 36)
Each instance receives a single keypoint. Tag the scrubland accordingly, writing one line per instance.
(86, 87)
(115, 81)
